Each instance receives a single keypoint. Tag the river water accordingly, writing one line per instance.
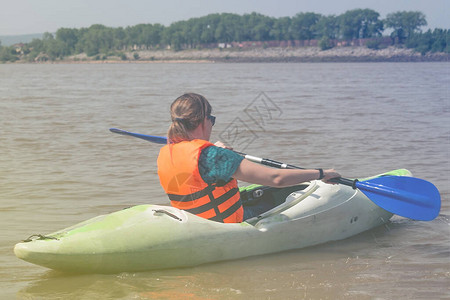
(60, 165)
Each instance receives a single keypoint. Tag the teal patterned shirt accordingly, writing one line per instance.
(218, 164)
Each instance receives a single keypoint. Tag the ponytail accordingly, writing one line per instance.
(187, 112)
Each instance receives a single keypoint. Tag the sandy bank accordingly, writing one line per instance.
(275, 54)
(305, 54)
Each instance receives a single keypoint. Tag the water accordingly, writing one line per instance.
(60, 165)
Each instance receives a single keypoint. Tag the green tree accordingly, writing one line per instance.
(281, 29)
(435, 41)
(36, 46)
(153, 33)
(69, 38)
(439, 43)
(120, 38)
(360, 24)
(256, 27)
(8, 54)
(207, 28)
(142, 35)
(404, 24)
(55, 49)
(133, 35)
(228, 28)
(174, 36)
(328, 26)
(189, 30)
(325, 43)
(47, 36)
(97, 38)
(372, 26)
(52, 47)
(303, 26)
(422, 42)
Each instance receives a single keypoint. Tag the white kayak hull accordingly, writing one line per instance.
(148, 237)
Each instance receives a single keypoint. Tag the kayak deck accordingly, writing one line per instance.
(147, 237)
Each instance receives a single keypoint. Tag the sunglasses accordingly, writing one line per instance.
(212, 119)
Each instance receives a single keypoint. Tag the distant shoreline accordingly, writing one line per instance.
(262, 55)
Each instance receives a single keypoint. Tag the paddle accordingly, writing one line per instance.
(150, 138)
(408, 197)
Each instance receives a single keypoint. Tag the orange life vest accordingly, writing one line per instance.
(180, 177)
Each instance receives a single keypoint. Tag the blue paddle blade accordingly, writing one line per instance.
(408, 197)
(150, 138)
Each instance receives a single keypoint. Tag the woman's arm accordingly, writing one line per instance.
(255, 173)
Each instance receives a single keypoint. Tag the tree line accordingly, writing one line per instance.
(404, 28)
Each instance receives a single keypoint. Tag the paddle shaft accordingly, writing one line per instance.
(405, 196)
(280, 165)
(263, 161)
(150, 138)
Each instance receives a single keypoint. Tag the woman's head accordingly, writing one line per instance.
(187, 112)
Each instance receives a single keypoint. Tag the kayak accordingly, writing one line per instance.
(148, 237)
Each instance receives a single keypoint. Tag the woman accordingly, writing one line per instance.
(201, 178)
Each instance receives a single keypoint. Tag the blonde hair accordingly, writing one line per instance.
(187, 112)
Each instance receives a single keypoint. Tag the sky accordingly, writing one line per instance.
(19, 17)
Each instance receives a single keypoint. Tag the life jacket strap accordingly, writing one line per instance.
(212, 204)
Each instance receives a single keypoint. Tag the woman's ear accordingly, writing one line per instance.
(204, 123)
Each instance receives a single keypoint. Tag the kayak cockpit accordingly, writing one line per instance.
(264, 201)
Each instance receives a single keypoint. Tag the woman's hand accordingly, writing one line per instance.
(330, 174)
(222, 145)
